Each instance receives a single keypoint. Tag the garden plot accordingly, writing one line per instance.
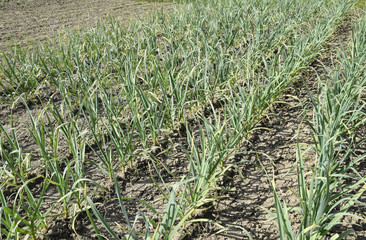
(195, 124)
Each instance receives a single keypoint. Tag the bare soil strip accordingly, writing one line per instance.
(27, 21)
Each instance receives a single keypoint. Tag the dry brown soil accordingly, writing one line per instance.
(24, 21)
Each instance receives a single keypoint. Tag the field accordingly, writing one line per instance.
(207, 119)
(28, 21)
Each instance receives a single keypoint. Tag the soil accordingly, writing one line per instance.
(269, 153)
(28, 21)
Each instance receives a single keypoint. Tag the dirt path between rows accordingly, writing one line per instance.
(26, 21)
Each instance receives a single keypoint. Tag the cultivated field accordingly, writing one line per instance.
(28, 21)
(218, 119)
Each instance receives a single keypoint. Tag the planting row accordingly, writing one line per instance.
(333, 184)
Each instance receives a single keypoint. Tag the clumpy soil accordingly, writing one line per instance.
(27, 21)
(269, 154)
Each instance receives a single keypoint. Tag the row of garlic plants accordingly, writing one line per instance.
(333, 183)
